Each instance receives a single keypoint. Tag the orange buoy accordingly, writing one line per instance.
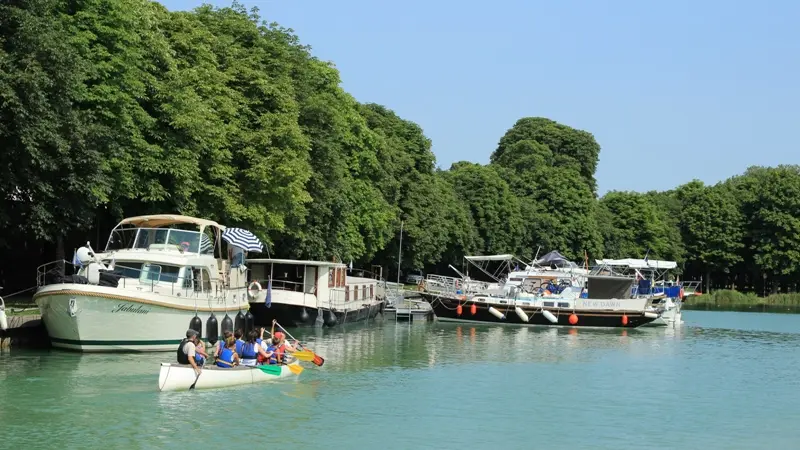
(682, 295)
(624, 319)
(573, 319)
(473, 309)
(459, 310)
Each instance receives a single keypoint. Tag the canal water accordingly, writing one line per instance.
(724, 380)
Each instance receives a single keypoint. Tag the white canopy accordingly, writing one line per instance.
(638, 263)
(489, 258)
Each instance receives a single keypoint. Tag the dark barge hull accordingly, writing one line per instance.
(445, 309)
(298, 316)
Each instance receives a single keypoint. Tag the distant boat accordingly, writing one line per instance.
(559, 295)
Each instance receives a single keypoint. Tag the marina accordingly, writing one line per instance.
(376, 374)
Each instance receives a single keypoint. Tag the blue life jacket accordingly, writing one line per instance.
(225, 358)
(249, 351)
(272, 359)
(239, 345)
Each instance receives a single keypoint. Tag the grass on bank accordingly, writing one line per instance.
(736, 299)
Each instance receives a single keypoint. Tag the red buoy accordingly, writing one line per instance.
(459, 310)
(473, 309)
(573, 319)
(624, 319)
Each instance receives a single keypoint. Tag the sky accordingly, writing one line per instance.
(672, 91)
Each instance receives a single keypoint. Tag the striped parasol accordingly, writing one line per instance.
(242, 239)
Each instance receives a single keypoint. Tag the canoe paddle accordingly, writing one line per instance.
(272, 369)
(317, 360)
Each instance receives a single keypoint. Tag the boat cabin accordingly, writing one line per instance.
(310, 283)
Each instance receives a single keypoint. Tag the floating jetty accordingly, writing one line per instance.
(409, 306)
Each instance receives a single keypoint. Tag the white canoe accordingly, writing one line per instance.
(179, 377)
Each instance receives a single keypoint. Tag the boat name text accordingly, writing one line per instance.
(602, 304)
(127, 307)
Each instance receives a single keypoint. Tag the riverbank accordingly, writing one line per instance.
(728, 300)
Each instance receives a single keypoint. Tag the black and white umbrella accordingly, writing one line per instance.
(242, 239)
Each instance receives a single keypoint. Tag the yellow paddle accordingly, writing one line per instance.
(296, 369)
(304, 355)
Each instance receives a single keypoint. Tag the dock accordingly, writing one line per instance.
(408, 306)
(24, 331)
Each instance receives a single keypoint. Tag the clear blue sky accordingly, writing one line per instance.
(671, 90)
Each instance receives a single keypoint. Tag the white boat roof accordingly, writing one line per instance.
(638, 263)
(489, 258)
(296, 262)
(160, 220)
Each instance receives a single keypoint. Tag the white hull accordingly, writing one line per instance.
(177, 377)
(104, 319)
(667, 319)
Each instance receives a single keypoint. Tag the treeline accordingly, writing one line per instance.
(114, 108)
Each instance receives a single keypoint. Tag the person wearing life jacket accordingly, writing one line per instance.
(239, 341)
(267, 353)
(281, 346)
(228, 357)
(252, 350)
(187, 350)
(221, 344)
(201, 355)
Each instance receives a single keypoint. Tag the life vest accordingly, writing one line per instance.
(249, 351)
(279, 351)
(183, 358)
(239, 345)
(225, 358)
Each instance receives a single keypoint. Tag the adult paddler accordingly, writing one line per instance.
(281, 346)
(187, 350)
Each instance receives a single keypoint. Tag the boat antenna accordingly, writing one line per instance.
(536, 256)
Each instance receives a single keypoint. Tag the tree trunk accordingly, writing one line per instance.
(708, 282)
(60, 254)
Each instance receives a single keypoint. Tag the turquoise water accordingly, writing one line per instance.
(724, 380)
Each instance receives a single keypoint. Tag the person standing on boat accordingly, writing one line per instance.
(236, 256)
(228, 356)
(187, 350)
(252, 350)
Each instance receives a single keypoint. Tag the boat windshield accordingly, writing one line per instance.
(160, 239)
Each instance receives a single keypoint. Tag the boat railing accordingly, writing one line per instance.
(54, 267)
(339, 299)
(283, 285)
(167, 284)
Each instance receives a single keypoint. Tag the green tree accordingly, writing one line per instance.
(712, 227)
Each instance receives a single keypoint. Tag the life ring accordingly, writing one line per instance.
(681, 294)
(253, 290)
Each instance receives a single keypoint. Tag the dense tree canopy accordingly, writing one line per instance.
(113, 108)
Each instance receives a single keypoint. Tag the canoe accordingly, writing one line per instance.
(179, 377)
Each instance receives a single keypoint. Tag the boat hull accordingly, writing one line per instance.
(178, 377)
(446, 309)
(104, 319)
(300, 316)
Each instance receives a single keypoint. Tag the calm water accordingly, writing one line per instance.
(725, 380)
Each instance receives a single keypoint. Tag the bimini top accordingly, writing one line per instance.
(160, 220)
(638, 263)
(489, 258)
(295, 262)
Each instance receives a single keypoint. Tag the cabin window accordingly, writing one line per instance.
(331, 274)
(563, 305)
(341, 277)
(371, 291)
(154, 273)
(355, 293)
(347, 293)
(550, 304)
(364, 292)
(126, 269)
